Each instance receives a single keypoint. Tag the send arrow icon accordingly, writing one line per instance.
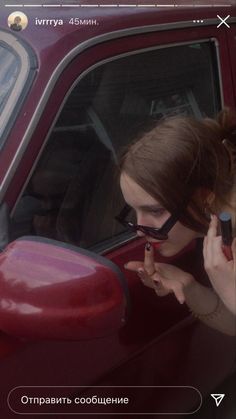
(218, 398)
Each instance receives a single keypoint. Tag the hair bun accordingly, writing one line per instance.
(227, 122)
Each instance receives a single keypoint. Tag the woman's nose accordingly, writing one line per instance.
(140, 233)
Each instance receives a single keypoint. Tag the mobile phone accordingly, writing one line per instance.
(227, 234)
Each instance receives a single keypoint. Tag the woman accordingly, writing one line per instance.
(175, 177)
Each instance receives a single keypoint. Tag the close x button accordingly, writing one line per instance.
(223, 21)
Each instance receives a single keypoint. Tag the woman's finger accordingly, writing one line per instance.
(218, 256)
(174, 286)
(149, 265)
(159, 288)
(133, 265)
(145, 278)
(208, 241)
(212, 231)
(205, 244)
(233, 247)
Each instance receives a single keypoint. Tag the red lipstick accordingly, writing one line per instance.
(226, 233)
(157, 245)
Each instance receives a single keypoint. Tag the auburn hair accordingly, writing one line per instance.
(188, 165)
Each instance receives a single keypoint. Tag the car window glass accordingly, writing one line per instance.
(73, 194)
(9, 70)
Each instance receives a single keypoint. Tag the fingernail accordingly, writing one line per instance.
(156, 281)
(148, 246)
(140, 271)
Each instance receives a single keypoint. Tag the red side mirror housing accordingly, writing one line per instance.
(52, 290)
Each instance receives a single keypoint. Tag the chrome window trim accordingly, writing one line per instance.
(10, 42)
(69, 57)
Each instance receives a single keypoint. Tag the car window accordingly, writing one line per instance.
(10, 66)
(17, 71)
(73, 193)
(9, 69)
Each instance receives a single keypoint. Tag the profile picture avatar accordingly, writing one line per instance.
(17, 21)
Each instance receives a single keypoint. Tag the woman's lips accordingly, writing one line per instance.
(157, 245)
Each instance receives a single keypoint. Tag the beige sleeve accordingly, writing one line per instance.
(207, 306)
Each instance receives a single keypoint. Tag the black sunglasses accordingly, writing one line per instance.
(156, 233)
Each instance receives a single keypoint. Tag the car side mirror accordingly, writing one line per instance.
(53, 290)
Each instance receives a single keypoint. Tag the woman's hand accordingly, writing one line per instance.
(221, 272)
(162, 277)
(202, 301)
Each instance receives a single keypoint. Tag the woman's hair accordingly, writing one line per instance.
(187, 165)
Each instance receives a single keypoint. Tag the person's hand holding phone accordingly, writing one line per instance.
(220, 270)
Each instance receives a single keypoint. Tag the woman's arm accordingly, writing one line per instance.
(221, 272)
(203, 302)
(207, 306)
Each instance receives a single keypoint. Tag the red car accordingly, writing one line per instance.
(79, 333)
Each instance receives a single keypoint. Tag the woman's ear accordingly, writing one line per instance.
(205, 197)
(209, 198)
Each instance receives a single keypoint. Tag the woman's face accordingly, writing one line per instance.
(151, 213)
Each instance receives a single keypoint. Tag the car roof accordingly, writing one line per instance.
(108, 17)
